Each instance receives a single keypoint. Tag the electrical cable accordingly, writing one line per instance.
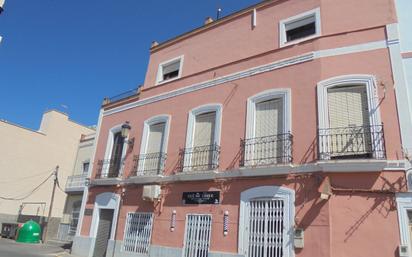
(26, 177)
(28, 194)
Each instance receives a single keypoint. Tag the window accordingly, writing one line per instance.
(300, 27)
(86, 167)
(349, 123)
(138, 232)
(151, 160)
(197, 236)
(202, 143)
(268, 139)
(170, 70)
(112, 164)
(117, 152)
(266, 222)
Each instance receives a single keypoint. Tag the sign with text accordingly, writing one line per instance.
(209, 197)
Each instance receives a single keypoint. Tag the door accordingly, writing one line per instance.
(116, 158)
(265, 227)
(268, 125)
(103, 232)
(197, 235)
(350, 132)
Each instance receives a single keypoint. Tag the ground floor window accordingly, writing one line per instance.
(197, 235)
(138, 231)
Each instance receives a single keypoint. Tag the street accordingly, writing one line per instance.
(9, 248)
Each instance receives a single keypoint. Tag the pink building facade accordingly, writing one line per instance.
(274, 131)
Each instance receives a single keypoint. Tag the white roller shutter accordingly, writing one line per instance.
(204, 129)
(155, 140)
(269, 118)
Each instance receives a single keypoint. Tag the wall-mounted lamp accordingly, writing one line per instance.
(173, 221)
(225, 223)
(125, 133)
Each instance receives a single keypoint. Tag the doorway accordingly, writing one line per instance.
(103, 232)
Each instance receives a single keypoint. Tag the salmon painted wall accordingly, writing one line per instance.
(301, 79)
(340, 226)
(236, 39)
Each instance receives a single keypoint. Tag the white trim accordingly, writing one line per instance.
(109, 149)
(213, 107)
(251, 72)
(282, 27)
(159, 74)
(287, 195)
(89, 174)
(107, 200)
(282, 93)
(146, 129)
(401, 87)
(347, 80)
(404, 204)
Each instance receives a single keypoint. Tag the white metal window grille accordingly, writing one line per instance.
(138, 232)
(266, 228)
(197, 237)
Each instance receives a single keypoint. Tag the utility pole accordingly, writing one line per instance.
(55, 173)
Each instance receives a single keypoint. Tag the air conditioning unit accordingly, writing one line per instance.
(403, 251)
(151, 193)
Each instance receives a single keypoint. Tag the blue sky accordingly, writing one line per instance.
(73, 53)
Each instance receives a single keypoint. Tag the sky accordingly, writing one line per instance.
(70, 54)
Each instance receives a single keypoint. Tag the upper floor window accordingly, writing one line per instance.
(152, 156)
(85, 167)
(268, 139)
(349, 123)
(170, 70)
(301, 27)
(202, 143)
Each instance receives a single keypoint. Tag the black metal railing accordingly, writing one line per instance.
(149, 164)
(122, 96)
(268, 150)
(109, 168)
(199, 158)
(355, 142)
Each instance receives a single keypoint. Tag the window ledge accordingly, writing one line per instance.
(105, 181)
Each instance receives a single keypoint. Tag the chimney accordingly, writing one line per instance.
(154, 44)
(208, 20)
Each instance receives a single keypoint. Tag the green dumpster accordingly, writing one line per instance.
(29, 233)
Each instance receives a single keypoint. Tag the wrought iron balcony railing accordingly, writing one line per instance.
(109, 168)
(356, 142)
(199, 158)
(266, 151)
(76, 182)
(149, 164)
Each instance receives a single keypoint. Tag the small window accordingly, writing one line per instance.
(300, 27)
(137, 233)
(86, 167)
(170, 70)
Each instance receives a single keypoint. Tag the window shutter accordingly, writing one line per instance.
(155, 140)
(269, 118)
(169, 68)
(205, 129)
(348, 106)
(301, 22)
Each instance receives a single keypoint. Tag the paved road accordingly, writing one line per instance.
(9, 248)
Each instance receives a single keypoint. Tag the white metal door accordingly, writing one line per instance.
(197, 235)
(266, 228)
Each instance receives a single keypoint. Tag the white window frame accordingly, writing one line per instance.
(146, 129)
(348, 80)
(282, 93)
(404, 204)
(149, 235)
(282, 27)
(191, 125)
(105, 200)
(159, 75)
(274, 192)
(109, 149)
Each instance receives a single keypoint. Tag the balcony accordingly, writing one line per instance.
(356, 142)
(266, 151)
(151, 164)
(199, 158)
(76, 183)
(109, 168)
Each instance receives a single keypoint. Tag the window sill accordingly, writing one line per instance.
(298, 41)
(162, 82)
